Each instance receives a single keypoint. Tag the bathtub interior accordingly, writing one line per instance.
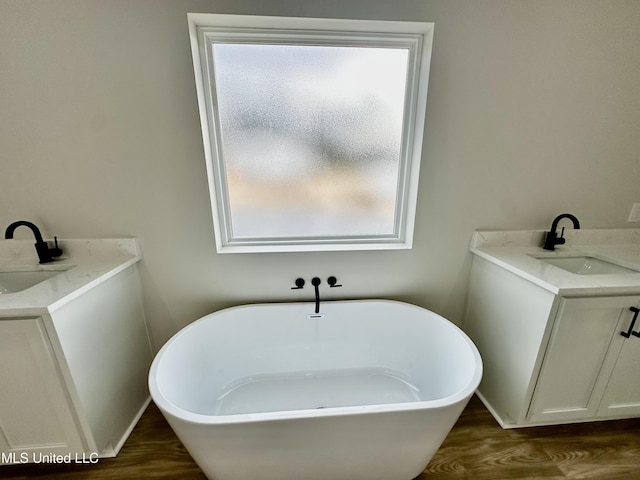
(258, 358)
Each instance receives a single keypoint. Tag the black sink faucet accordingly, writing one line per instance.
(45, 254)
(552, 239)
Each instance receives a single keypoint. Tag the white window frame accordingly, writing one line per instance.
(415, 36)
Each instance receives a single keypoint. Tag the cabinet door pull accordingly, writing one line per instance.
(630, 332)
(635, 316)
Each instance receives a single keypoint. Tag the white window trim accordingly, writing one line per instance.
(417, 36)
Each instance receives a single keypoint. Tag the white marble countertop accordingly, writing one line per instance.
(516, 251)
(85, 263)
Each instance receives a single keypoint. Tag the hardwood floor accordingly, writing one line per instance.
(477, 448)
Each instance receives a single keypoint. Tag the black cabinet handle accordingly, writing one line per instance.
(635, 316)
(630, 332)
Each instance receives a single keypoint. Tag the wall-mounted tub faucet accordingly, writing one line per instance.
(552, 239)
(45, 254)
(315, 281)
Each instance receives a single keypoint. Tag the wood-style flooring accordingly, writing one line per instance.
(477, 448)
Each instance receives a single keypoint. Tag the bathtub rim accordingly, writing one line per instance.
(167, 406)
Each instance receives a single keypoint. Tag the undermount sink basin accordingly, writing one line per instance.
(16, 281)
(586, 265)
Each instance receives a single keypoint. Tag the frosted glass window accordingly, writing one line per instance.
(312, 137)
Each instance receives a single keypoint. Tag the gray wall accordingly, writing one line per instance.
(534, 109)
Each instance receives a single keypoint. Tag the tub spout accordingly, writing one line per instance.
(315, 281)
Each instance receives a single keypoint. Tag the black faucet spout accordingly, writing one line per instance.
(8, 234)
(552, 239)
(574, 220)
(45, 254)
(315, 281)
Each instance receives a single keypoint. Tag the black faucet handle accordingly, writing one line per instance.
(55, 251)
(299, 284)
(45, 253)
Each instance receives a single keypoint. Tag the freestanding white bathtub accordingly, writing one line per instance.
(364, 390)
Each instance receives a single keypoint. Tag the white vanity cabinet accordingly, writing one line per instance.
(587, 370)
(73, 375)
(551, 357)
(35, 410)
(621, 397)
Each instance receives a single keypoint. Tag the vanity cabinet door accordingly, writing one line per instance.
(622, 394)
(35, 413)
(576, 367)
